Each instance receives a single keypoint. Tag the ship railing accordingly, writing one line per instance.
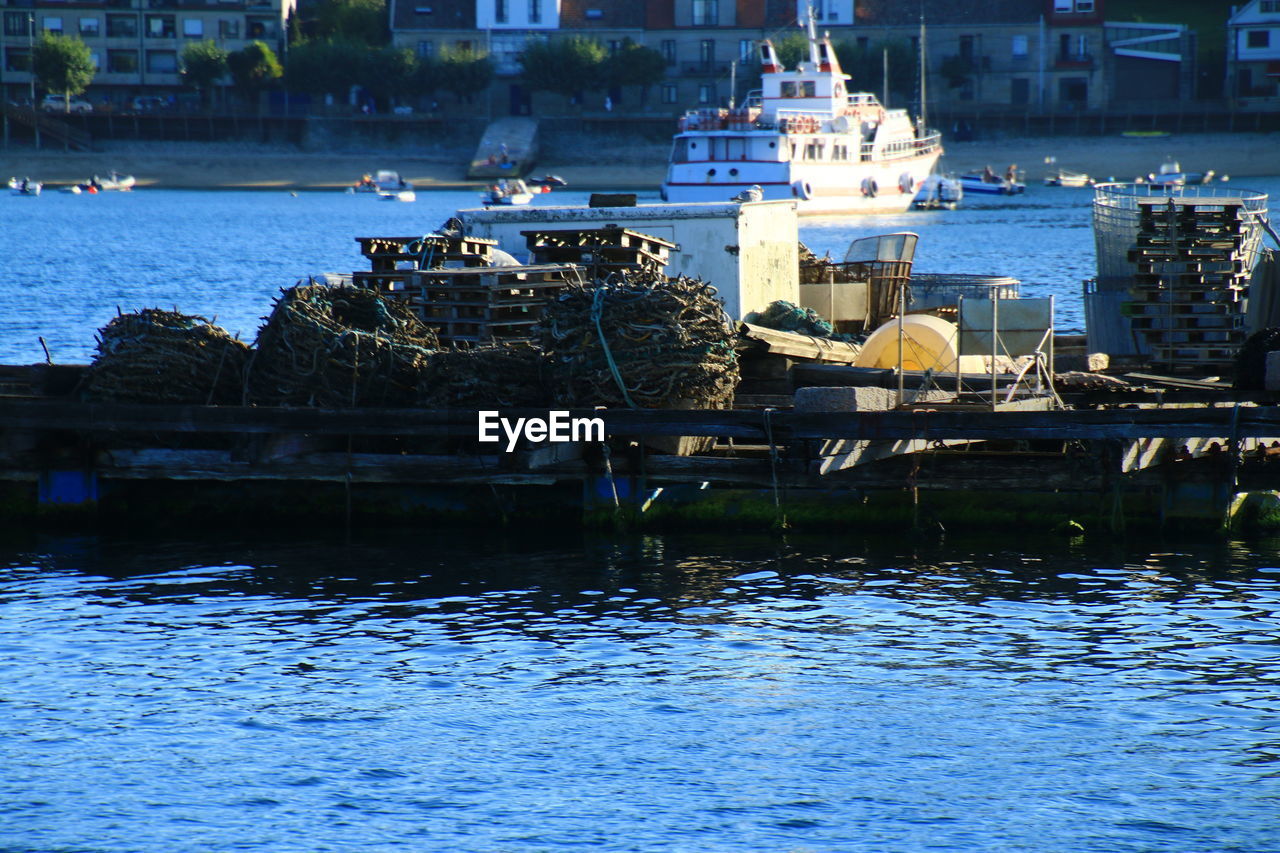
(720, 119)
(863, 99)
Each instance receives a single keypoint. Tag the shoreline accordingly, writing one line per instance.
(238, 166)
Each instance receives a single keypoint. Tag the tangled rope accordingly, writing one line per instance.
(641, 339)
(499, 375)
(337, 347)
(156, 356)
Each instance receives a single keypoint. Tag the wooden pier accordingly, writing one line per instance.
(1198, 449)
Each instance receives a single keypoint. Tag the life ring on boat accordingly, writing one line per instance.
(906, 183)
(870, 187)
(802, 190)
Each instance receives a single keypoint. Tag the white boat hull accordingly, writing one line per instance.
(887, 187)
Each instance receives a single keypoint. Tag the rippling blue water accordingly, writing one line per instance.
(647, 694)
(71, 261)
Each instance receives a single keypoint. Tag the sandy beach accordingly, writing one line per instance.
(243, 166)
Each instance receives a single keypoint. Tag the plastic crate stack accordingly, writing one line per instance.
(601, 252)
(1192, 278)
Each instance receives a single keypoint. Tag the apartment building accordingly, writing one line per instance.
(136, 44)
(1033, 55)
(1253, 50)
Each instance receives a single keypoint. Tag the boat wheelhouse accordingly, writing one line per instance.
(803, 136)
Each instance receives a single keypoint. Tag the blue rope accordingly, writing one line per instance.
(597, 306)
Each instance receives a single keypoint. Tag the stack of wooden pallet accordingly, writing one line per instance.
(1191, 282)
(480, 305)
(600, 251)
(392, 260)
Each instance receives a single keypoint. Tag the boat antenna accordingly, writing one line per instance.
(733, 81)
(813, 36)
(924, 71)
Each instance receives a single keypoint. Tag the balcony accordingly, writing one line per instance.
(704, 69)
(1073, 62)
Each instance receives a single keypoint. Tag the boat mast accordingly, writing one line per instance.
(924, 69)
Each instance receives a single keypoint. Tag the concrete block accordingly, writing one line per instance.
(1091, 362)
(861, 399)
(1272, 380)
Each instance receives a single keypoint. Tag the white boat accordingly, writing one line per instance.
(113, 181)
(399, 195)
(987, 182)
(938, 192)
(381, 181)
(1067, 178)
(25, 187)
(1171, 175)
(803, 136)
(507, 191)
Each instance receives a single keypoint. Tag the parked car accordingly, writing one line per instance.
(148, 104)
(56, 103)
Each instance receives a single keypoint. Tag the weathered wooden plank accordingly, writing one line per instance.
(1189, 422)
(802, 346)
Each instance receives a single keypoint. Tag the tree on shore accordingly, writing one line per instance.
(254, 69)
(635, 65)
(362, 21)
(565, 66)
(388, 72)
(203, 64)
(63, 64)
(324, 67)
(465, 72)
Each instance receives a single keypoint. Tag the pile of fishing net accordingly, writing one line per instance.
(643, 340)
(338, 346)
(788, 317)
(156, 356)
(510, 375)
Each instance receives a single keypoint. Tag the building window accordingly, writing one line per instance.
(193, 28)
(1255, 38)
(614, 47)
(121, 26)
(53, 25)
(426, 49)
(89, 27)
(500, 11)
(1019, 49)
(17, 59)
(1269, 7)
(746, 50)
(1084, 5)
(535, 11)
(1019, 91)
(15, 23)
(706, 93)
(706, 13)
(162, 61)
(228, 29)
(707, 52)
(668, 93)
(160, 26)
(1073, 90)
(1062, 5)
(669, 51)
(96, 59)
(122, 61)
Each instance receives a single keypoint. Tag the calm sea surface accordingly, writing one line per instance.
(647, 694)
(71, 261)
(482, 692)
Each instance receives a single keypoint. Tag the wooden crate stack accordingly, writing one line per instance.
(392, 260)
(600, 251)
(1191, 282)
(479, 305)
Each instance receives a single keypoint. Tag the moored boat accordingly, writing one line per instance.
(1171, 175)
(986, 182)
(382, 181)
(938, 192)
(398, 195)
(24, 187)
(1067, 178)
(803, 136)
(509, 191)
(113, 181)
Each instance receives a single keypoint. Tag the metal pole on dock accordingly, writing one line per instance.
(995, 341)
(902, 309)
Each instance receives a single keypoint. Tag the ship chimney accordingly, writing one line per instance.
(769, 58)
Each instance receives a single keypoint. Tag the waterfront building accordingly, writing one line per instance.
(1253, 51)
(136, 44)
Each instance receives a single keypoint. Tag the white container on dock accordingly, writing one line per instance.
(748, 252)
